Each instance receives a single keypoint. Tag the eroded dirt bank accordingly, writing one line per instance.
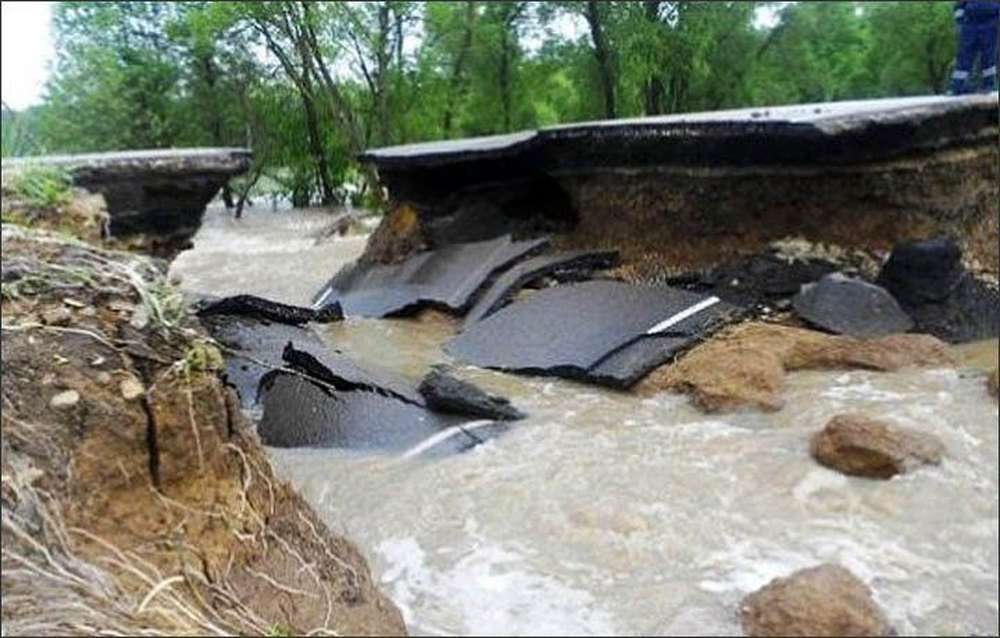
(136, 498)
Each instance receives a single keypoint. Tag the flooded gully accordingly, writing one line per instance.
(614, 513)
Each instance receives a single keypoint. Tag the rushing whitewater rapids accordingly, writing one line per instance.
(606, 512)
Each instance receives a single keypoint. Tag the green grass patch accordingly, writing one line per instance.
(42, 186)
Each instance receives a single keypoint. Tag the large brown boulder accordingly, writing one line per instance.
(826, 600)
(746, 366)
(859, 446)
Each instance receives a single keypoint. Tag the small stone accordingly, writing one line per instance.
(97, 361)
(859, 446)
(140, 318)
(104, 378)
(131, 388)
(65, 400)
(58, 316)
(826, 600)
(89, 311)
(73, 303)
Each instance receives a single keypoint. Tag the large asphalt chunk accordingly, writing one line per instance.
(299, 412)
(567, 330)
(448, 277)
(507, 284)
(302, 412)
(444, 393)
(851, 307)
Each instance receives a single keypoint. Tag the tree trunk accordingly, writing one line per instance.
(653, 88)
(456, 84)
(603, 56)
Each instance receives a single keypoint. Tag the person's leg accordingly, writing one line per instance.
(988, 57)
(967, 39)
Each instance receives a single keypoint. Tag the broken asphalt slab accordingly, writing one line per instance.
(313, 396)
(510, 282)
(852, 307)
(822, 133)
(444, 393)
(260, 308)
(570, 330)
(297, 412)
(448, 277)
(255, 347)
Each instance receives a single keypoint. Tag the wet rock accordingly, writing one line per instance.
(852, 307)
(448, 277)
(445, 393)
(923, 271)
(746, 366)
(943, 299)
(569, 330)
(64, 400)
(264, 309)
(826, 600)
(509, 283)
(859, 446)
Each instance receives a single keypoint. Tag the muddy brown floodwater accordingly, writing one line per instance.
(609, 513)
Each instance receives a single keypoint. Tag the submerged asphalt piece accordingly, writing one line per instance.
(851, 307)
(312, 396)
(298, 412)
(255, 348)
(447, 277)
(445, 393)
(507, 284)
(252, 348)
(570, 330)
(260, 308)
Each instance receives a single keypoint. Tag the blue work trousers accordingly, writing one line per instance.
(976, 38)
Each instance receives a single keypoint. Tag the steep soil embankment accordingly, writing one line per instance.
(136, 498)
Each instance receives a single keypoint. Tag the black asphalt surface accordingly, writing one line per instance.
(569, 330)
(507, 284)
(447, 277)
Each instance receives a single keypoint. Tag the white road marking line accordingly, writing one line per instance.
(434, 439)
(684, 314)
